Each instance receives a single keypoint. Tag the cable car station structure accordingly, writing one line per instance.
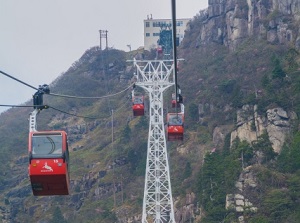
(155, 77)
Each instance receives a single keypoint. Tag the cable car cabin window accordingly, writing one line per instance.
(175, 119)
(46, 146)
(138, 100)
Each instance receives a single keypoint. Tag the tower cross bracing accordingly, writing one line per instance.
(155, 77)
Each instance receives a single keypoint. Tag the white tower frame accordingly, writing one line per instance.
(155, 77)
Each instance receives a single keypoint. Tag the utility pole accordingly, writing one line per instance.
(112, 142)
(155, 77)
(103, 34)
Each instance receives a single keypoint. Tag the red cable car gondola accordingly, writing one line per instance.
(175, 128)
(174, 101)
(48, 163)
(138, 106)
(159, 49)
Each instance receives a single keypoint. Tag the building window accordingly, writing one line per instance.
(156, 24)
(147, 24)
(155, 34)
(161, 24)
(179, 23)
(147, 34)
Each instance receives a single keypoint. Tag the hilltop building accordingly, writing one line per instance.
(152, 29)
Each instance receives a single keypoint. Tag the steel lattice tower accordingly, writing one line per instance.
(155, 77)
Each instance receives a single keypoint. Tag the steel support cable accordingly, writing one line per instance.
(88, 117)
(46, 107)
(59, 110)
(22, 82)
(79, 97)
(174, 23)
(61, 95)
(18, 106)
(80, 116)
(67, 113)
(119, 109)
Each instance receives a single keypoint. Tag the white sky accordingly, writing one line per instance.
(40, 39)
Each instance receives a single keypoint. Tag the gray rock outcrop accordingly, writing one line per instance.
(232, 21)
(278, 127)
(239, 202)
(250, 125)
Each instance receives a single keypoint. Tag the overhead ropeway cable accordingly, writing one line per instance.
(62, 95)
(43, 90)
(16, 79)
(62, 111)
(100, 97)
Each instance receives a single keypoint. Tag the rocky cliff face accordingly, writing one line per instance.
(239, 202)
(230, 22)
(276, 122)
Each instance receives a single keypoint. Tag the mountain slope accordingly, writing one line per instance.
(240, 83)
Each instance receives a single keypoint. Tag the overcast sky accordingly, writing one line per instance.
(41, 39)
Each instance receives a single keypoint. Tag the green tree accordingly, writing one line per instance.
(294, 187)
(142, 123)
(133, 159)
(228, 86)
(289, 158)
(193, 112)
(242, 150)
(291, 60)
(277, 204)
(126, 134)
(277, 71)
(218, 174)
(232, 170)
(259, 219)
(265, 81)
(264, 145)
(187, 170)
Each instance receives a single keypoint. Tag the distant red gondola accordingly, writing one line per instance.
(175, 128)
(174, 102)
(159, 49)
(138, 106)
(48, 163)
